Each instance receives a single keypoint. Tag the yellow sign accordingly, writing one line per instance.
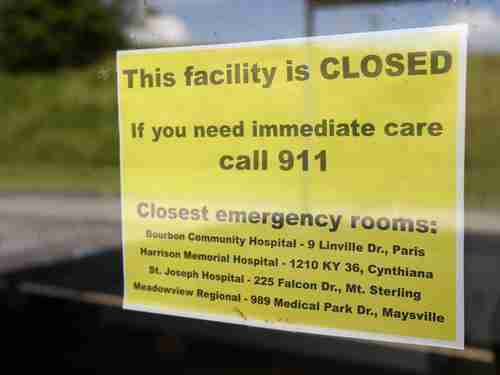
(311, 185)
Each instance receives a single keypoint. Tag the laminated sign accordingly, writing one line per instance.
(310, 185)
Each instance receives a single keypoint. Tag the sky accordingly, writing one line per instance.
(227, 21)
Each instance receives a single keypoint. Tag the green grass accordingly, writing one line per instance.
(50, 178)
(63, 118)
(482, 163)
(59, 131)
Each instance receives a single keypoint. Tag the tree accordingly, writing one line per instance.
(48, 34)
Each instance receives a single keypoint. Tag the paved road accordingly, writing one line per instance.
(41, 228)
(44, 228)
